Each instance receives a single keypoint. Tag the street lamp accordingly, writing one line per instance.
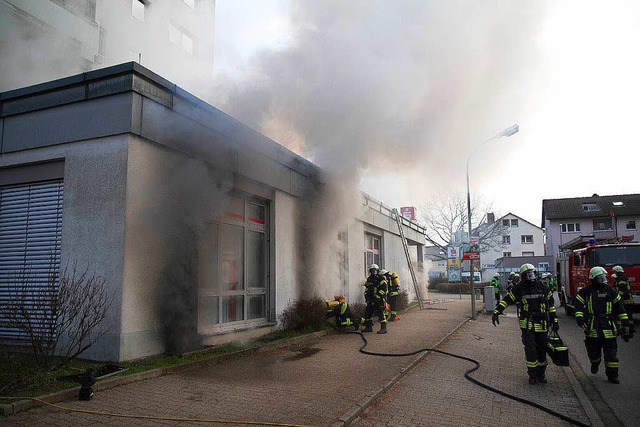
(507, 132)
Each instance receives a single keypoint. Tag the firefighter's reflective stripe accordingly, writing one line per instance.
(534, 364)
(611, 364)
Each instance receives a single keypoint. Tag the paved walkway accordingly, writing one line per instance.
(329, 383)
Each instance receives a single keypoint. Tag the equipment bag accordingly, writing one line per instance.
(557, 351)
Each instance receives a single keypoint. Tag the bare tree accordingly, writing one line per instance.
(445, 217)
(61, 317)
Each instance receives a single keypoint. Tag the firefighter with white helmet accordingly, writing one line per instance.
(621, 284)
(495, 284)
(511, 281)
(393, 283)
(599, 310)
(536, 315)
(375, 293)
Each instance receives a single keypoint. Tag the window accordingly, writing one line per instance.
(526, 239)
(138, 9)
(506, 240)
(570, 228)
(510, 222)
(631, 225)
(30, 239)
(544, 266)
(590, 207)
(506, 254)
(371, 251)
(505, 222)
(527, 253)
(234, 268)
(180, 37)
(514, 222)
(602, 224)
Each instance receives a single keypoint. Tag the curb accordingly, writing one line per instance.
(72, 393)
(352, 414)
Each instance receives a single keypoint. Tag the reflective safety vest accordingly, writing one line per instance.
(601, 310)
(496, 284)
(375, 289)
(535, 300)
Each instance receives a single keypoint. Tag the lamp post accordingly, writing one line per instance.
(507, 132)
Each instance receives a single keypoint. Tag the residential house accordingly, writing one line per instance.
(520, 242)
(570, 221)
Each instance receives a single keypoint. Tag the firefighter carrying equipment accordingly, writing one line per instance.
(339, 309)
(599, 311)
(537, 314)
(621, 284)
(393, 283)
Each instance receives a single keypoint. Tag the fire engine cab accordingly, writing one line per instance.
(573, 269)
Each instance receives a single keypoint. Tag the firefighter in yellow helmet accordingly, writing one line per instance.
(621, 284)
(375, 293)
(536, 315)
(599, 309)
(392, 295)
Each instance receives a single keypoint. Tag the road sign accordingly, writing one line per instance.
(471, 255)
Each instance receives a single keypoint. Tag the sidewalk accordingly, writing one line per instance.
(329, 382)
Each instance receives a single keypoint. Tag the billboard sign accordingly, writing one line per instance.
(408, 212)
(453, 252)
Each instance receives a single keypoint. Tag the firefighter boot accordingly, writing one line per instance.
(614, 380)
(594, 367)
(542, 379)
(383, 328)
(356, 324)
(392, 317)
(368, 326)
(533, 377)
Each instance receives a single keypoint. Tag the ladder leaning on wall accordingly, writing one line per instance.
(398, 219)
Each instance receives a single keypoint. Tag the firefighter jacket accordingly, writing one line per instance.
(535, 300)
(375, 289)
(600, 309)
(623, 288)
(394, 286)
(495, 283)
(553, 284)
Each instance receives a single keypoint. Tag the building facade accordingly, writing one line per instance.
(204, 229)
(520, 240)
(49, 39)
(603, 218)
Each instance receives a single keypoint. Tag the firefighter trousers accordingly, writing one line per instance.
(596, 347)
(393, 304)
(535, 352)
(374, 308)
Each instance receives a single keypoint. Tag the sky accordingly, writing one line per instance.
(396, 96)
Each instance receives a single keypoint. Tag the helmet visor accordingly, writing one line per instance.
(600, 279)
(530, 275)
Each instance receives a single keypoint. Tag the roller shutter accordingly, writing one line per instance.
(30, 236)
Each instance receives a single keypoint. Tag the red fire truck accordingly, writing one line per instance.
(573, 269)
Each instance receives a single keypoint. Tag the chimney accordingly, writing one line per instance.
(491, 218)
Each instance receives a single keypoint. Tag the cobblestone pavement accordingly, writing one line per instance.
(328, 382)
(435, 392)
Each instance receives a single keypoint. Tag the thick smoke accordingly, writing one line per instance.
(383, 87)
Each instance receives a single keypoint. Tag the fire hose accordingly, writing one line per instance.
(468, 376)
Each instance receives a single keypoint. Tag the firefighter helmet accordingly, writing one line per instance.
(383, 272)
(526, 267)
(374, 267)
(513, 273)
(614, 276)
(496, 275)
(618, 269)
(394, 275)
(596, 271)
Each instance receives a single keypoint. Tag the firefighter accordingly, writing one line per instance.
(495, 283)
(599, 308)
(621, 284)
(537, 313)
(375, 292)
(511, 281)
(339, 309)
(392, 296)
(553, 282)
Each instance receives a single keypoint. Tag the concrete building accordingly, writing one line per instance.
(522, 241)
(603, 218)
(49, 39)
(203, 228)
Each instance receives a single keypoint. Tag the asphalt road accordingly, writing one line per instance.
(622, 398)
